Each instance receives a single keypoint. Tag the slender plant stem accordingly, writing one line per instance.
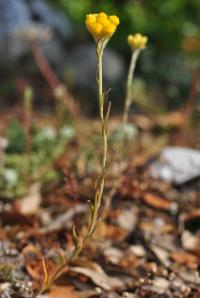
(128, 101)
(103, 122)
(100, 186)
(81, 241)
(129, 93)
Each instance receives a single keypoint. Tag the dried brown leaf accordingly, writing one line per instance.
(62, 292)
(157, 202)
(99, 277)
(184, 258)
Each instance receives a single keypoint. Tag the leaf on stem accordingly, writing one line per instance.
(46, 277)
(108, 112)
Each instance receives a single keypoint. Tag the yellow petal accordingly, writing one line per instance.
(97, 28)
(110, 29)
(102, 14)
(114, 20)
(90, 18)
(103, 21)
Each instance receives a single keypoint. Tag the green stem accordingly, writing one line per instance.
(129, 83)
(122, 145)
(103, 122)
(82, 241)
(100, 186)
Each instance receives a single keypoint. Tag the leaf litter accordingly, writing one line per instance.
(148, 246)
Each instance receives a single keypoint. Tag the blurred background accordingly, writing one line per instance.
(36, 35)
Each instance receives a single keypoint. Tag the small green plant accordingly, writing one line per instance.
(137, 43)
(20, 168)
(28, 102)
(16, 137)
(102, 27)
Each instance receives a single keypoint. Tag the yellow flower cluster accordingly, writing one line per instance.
(137, 41)
(101, 25)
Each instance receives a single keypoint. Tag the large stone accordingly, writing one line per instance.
(54, 19)
(80, 69)
(81, 65)
(13, 15)
(177, 165)
(20, 19)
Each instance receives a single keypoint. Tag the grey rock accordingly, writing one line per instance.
(80, 72)
(13, 14)
(45, 14)
(22, 19)
(15, 46)
(177, 165)
(81, 65)
(55, 52)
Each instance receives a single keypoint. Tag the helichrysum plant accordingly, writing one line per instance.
(102, 27)
(137, 43)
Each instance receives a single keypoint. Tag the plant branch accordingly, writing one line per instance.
(80, 241)
(129, 86)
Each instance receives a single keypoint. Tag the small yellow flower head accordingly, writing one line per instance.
(101, 26)
(137, 41)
